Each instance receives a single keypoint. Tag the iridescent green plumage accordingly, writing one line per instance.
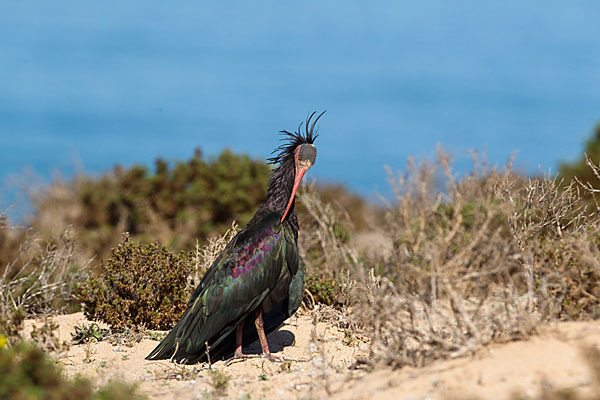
(272, 275)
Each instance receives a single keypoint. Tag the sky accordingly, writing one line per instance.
(86, 85)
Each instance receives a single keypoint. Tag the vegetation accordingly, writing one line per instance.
(219, 381)
(472, 261)
(580, 169)
(38, 278)
(323, 290)
(452, 264)
(86, 334)
(12, 240)
(46, 339)
(142, 285)
(26, 372)
(176, 204)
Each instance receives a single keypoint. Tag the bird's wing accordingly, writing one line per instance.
(284, 299)
(236, 283)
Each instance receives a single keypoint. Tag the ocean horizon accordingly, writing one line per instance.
(86, 86)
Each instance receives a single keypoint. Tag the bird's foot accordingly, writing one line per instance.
(239, 354)
(271, 357)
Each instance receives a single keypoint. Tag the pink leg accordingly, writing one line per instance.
(258, 322)
(238, 340)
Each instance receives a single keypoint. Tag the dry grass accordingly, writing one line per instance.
(41, 279)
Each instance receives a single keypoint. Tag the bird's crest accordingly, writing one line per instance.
(293, 140)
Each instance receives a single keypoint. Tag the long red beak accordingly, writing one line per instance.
(299, 174)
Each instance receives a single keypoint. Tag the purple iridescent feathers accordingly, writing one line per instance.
(251, 255)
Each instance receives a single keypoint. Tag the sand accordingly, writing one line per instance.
(317, 364)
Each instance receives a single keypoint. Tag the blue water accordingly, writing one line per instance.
(87, 84)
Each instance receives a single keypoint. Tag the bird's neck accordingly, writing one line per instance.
(281, 183)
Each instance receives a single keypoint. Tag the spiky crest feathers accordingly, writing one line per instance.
(293, 140)
(281, 180)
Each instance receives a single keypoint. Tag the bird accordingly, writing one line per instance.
(257, 282)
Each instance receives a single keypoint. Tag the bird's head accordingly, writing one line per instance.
(301, 149)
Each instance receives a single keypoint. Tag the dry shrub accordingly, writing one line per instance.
(11, 239)
(437, 294)
(46, 337)
(325, 237)
(558, 235)
(478, 259)
(42, 278)
(205, 256)
(355, 209)
(326, 245)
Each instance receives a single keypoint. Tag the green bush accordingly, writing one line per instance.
(175, 204)
(142, 285)
(26, 372)
(323, 290)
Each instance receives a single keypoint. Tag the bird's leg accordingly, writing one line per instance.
(258, 322)
(239, 330)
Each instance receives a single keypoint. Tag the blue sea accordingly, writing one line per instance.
(85, 85)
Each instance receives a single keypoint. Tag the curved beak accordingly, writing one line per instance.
(300, 171)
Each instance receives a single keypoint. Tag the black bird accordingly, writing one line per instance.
(258, 279)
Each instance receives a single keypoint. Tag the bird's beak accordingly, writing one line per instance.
(300, 171)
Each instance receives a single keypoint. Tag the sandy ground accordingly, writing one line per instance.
(317, 365)
(315, 356)
(554, 359)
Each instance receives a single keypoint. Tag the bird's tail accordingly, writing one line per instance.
(166, 348)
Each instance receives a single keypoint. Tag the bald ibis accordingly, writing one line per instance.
(257, 282)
